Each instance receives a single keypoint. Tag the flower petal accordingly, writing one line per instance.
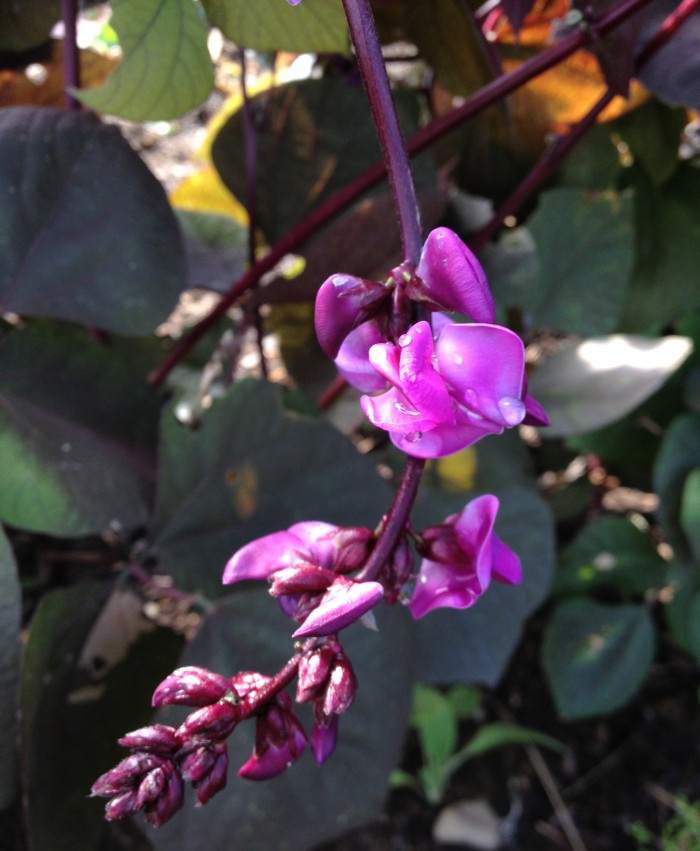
(441, 586)
(535, 413)
(393, 411)
(344, 302)
(444, 439)
(454, 277)
(319, 539)
(343, 603)
(353, 362)
(263, 556)
(484, 366)
(506, 566)
(420, 381)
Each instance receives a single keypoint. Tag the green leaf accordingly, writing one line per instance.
(678, 457)
(435, 721)
(465, 700)
(683, 612)
(584, 258)
(165, 68)
(318, 136)
(77, 432)
(27, 24)
(595, 382)
(498, 734)
(596, 656)
(474, 646)
(86, 232)
(216, 248)
(306, 805)
(316, 26)
(72, 714)
(448, 40)
(690, 513)
(10, 619)
(610, 551)
(664, 282)
(652, 134)
(251, 469)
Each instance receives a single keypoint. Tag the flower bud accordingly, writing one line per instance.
(324, 735)
(214, 781)
(344, 302)
(190, 686)
(157, 739)
(341, 688)
(342, 604)
(397, 570)
(169, 801)
(279, 741)
(125, 775)
(353, 544)
(121, 805)
(313, 672)
(247, 682)
(300, 580)
(213, 722)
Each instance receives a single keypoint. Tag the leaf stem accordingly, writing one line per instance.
(369, 56)
(71, 56)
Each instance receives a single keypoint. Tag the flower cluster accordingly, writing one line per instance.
(440, 386)
(449, 384)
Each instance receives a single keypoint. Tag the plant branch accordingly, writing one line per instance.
(482, 99)
(395, 521)
(71, 56)
(371, 62)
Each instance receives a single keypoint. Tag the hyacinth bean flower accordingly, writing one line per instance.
(304, 566)
(445, 396)
(463, 555)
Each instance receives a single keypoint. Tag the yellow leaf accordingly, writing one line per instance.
(203, 192)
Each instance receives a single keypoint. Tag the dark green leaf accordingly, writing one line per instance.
(664, 281)
(652, 134)
(86, 232)
(584, 258)
(318, 136)
(683, 611)
(678, 457)
(690, 513)
(474, 646)
(251, 469)
(27, 24)
(165, 68)
(10, 615)
(595, 382)
(316, 26)
(216, 249)
(596, 656)
(306, 805)
(610, 551)
(448, 40)
(77, 432)
(72, 715)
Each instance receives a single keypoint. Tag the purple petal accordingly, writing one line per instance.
(260, 558)
(190, 686)
(484, 366)
(440, 586)
(454, 277)
(269, 760)
(344, 302)
(157, 739)
(343, 603)
(352, 361)
(319, 540)
(506, 566)
(474, 528)
(324, 738)
(444, 439)
(214, 781)
(395, 413)
(419, 379)
(535, 414)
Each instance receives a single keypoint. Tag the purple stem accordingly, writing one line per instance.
(482, 99)
(371, 62)
(71, 57)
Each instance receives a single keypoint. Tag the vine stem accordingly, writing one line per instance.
(482, 99)
(71, 56)
(371, 62)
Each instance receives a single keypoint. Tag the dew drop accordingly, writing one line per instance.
(414, 436)
(405, 340)
(512, 410)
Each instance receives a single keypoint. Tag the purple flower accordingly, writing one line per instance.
(279, 740)
(446, 396)
(190, 686)
(463, 555)
(343, 603)
(204, 764)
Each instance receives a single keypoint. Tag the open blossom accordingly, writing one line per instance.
(305, 567)
(463, 555)
(448, 394)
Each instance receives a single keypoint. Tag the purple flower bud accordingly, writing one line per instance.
(246, 683)
(482, 556)
(213, 722)
(324, 735)
(299, 580)
(205, 766)
(157, 739)
(121, 805)
(214, 781)
(342, 604)
(151, 787)
(313, 672)
(453, 278)
(344, 302)
(341, 688)
(170, 800)
(126, 775)
(353, 545)
(279, 741)
(143, 781)
(397, 570)
(191, 686)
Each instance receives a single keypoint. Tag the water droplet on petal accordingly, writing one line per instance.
(512, 410)
(414, 436)
(405, 340)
